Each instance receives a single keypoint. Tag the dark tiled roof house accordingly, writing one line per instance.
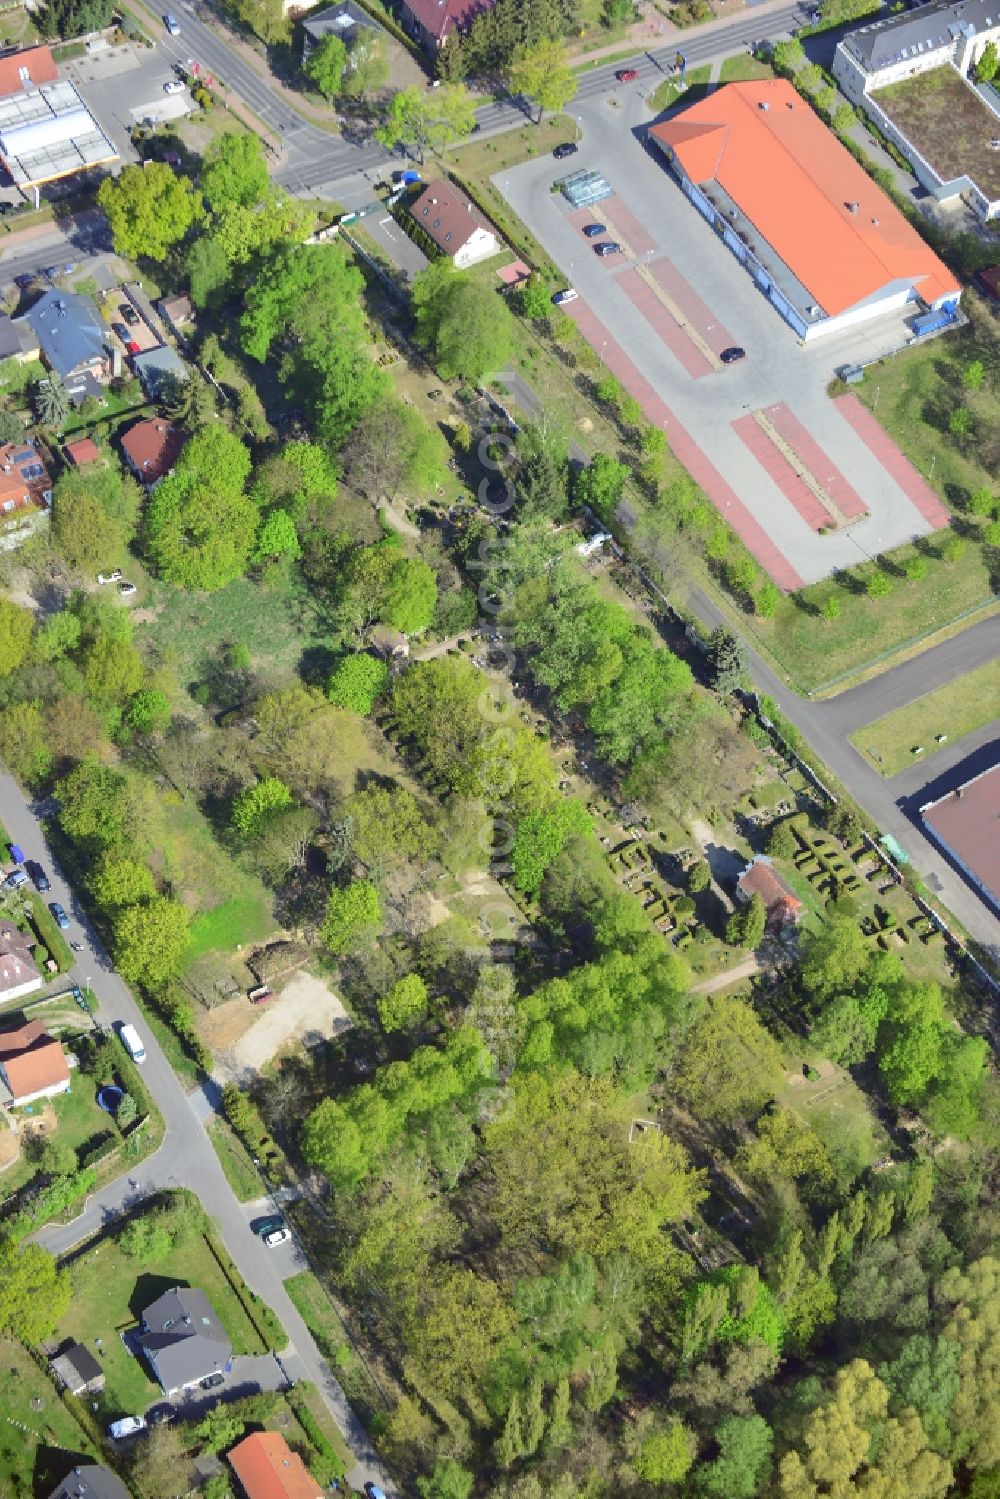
(183, 1339)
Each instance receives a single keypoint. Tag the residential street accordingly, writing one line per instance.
(186, 1158)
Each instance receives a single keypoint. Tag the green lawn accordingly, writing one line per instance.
(80, 1121)
(39, 1439)
(241, 1173)
(955, 709)
(743, 69)
(235, 922)
(673, 91)
(110, 1291)
(317, 1313)
(914, 393)
(834, 1106)
(277, 625)
(817, 652)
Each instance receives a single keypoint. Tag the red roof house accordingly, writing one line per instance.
(780, 902)
(431, 22)
(267, 1468)
(32, 1064)
(151, 448)
(26, 69)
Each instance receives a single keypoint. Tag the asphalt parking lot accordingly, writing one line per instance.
(678, 260)
(124, 85)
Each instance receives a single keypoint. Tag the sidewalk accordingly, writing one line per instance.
(647, 35)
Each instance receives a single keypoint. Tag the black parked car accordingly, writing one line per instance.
(566, 149)
(39, 878)
(730, 356)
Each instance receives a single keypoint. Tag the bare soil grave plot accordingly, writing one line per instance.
(245, 1037)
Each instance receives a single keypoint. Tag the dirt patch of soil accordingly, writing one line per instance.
(222, 1026)
(306, 1011)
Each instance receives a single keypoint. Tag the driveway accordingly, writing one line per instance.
(185, 1159)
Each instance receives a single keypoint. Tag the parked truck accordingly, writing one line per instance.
(132, 1043)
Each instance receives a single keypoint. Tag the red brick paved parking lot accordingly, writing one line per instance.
(659, 318)
(812, 457)
(702, 470)
(913, 485)
(688, 302)
(774, 462)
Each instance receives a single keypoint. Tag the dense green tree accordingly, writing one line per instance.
(234, 170)
(747, 924)
(465, 324)
(601, 485)
(448, 1481)
(405, 1003)
(52, 402)
(353, 917)
(16, 625)
(422, 119)
(410, 596)
(986, 67)
(305, 310)
(542, 74)
(540, 838)
(148, 711)
(392, 448)
(834, 957)
(118, 881)
(727, 660)
(326, 64)
(666, 1456)
(150, 941)
(208, 272)
(729, 1064)
(150, 208)
(357, 682)
(389, 828)
(254, 807)
(276, 538)
(200, 526)
(745, 1445)
(34, 1293)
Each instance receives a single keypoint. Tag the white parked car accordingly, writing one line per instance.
(112, 577)
(128, 1426)
(570, 294)
(126, 590)
(279, 1236)
(173, 87)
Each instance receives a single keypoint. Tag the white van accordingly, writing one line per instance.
(132, 1043)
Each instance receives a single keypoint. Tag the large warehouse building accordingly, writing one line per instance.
(966, 823)
(823, 243)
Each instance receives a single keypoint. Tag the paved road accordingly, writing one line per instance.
(312, 161)
(912, 679)
(185, 1159)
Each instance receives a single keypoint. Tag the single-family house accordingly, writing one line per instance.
(90, 1481)
(454, 224)
(77, 1370)
(24, 479)
(780, 902)
(151, 448)
(81, 452)
(32, 1064)
(159, 370)
(18, 974)
(267, 1468)
(355, 27)
(433, 22)
(17, 339)
(28, 68)
(182, 1339)
(72, 339)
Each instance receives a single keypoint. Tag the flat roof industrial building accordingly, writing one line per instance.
(47, 133)
(826, 246)
(966, 823)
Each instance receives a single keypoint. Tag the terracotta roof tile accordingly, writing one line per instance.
(32, 1059)
(38, 63)
(267, 1468)
(794, 180)
(152, 447)
(447, 215)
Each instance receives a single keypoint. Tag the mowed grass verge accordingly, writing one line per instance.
(947, 713)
